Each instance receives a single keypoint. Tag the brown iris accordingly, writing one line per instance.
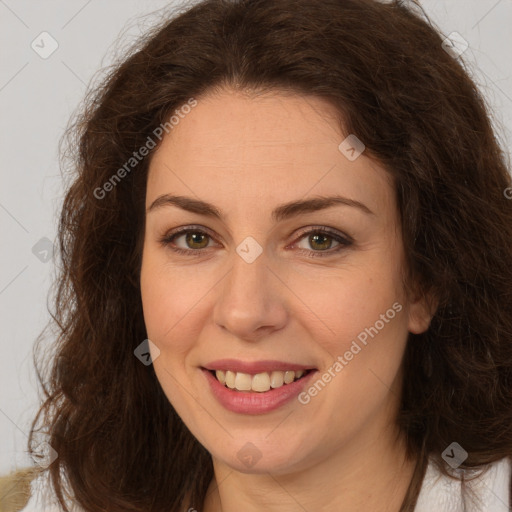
(323, 241)
(196, 238)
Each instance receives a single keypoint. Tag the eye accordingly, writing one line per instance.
(193, 241)
(321, 240)
(187, 240)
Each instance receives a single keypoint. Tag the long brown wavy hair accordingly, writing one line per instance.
(121, 446)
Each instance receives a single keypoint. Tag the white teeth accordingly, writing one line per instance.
(230, 379)
(221, 376)
(260, 382)
(277, 379)
(243, 382)
(288, 377)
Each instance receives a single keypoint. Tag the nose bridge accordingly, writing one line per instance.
(249, 297)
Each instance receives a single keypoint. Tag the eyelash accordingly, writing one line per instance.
(344, 241)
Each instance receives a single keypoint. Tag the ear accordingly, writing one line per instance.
(421, 311)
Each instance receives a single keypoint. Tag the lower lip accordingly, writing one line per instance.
(253, 402)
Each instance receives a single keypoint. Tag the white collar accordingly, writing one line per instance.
(487, 492)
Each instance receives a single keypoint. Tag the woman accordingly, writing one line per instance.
(286, 276)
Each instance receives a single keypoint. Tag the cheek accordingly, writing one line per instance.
(346, 301)
(168, 298)
(363, 348)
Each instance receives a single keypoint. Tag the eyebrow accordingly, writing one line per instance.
(281, 212)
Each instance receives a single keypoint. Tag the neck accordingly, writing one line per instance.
(368, 473)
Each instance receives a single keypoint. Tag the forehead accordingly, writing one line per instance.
(230, 124)
(270, 148)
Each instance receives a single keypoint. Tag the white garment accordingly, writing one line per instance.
(491, 491)
(438, 493)
(42, 498)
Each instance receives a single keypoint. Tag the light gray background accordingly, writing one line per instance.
(37, 97)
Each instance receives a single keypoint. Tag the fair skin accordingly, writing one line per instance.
(246, 156)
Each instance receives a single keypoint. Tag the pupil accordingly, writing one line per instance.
(325, 245)
(192, 238)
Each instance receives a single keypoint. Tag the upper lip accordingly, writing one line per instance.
(253, 367)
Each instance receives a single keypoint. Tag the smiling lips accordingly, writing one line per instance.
(253, 401)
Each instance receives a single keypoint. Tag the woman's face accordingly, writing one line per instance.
(257, 283)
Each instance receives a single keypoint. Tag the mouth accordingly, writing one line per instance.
(256, 387)
(259, 382)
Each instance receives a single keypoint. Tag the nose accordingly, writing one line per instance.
(252, 300)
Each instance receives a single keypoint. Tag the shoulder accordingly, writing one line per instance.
(15, 489)
(489, 490)
(40, 497)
